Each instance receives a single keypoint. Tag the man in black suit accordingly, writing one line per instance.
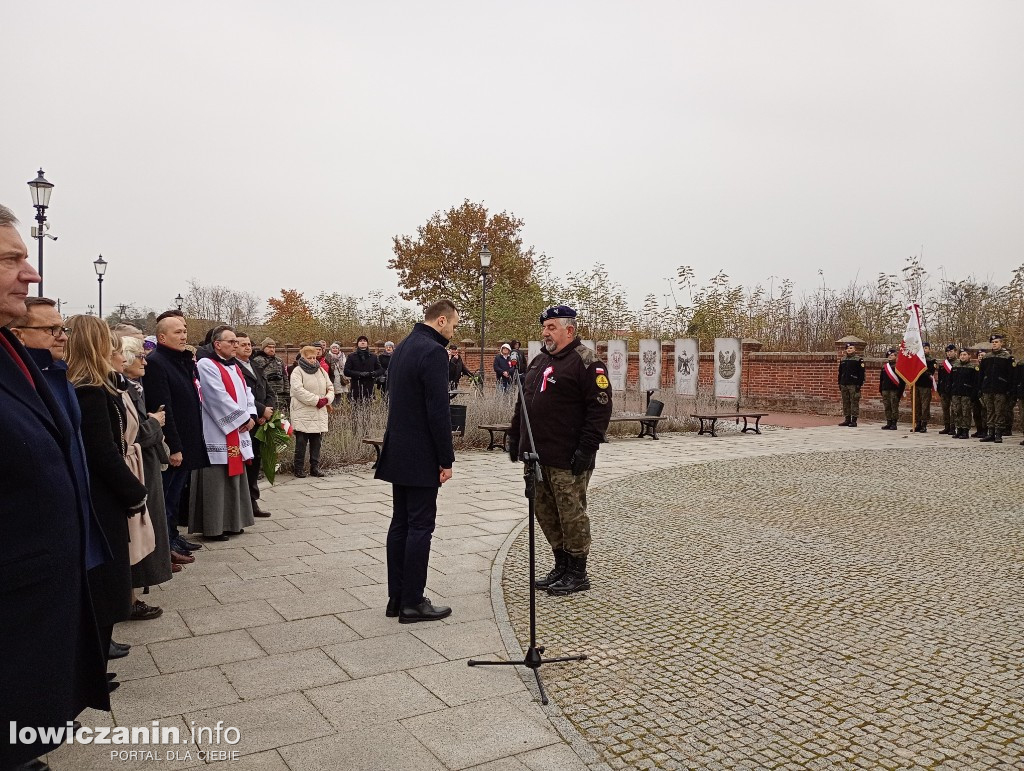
(54, 663)
(266, 403)
(417, 457)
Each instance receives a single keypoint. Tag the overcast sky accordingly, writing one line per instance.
(265, 145)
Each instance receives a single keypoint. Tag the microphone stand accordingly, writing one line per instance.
(533, 476)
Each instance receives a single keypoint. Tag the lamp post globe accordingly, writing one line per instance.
(41, 189)
(100, 266)
(179, 301)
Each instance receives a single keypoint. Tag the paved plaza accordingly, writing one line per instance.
(807, 598)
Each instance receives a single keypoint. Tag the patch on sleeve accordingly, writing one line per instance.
(602, 398)
(602, 381)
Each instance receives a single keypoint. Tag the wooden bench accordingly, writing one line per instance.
(378, 443)
(495, 428)
(715, 417)
(648, 423)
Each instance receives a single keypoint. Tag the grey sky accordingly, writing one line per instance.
(267, 145)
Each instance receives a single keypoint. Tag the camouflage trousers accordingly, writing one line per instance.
(947, 411)
(995, 411)
(980, 418)
(891, 402)
(961, 408)
(923, 404)
(851, 400)
(562, 510)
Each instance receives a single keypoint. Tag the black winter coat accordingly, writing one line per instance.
(53, 664)
(261, 393)
(418, 439)
(170, 380)
(115, 490)
(363, 368)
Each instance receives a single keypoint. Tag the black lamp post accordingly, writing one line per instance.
(41, 190)
(101, 267)
(179, 300)
(485, 265)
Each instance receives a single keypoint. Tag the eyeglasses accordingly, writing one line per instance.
(52, 330)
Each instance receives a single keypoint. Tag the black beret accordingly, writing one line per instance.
(951, 347)
(926, 344)
(558, 312)
(993, 338)
(891, 351)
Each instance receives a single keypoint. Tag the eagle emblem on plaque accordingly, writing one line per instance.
(727, 364)
(684, 364)
(650, 363)
(617, 360)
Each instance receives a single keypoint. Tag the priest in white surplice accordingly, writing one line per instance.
(219, 504)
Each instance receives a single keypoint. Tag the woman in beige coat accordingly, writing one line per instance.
(312, 395)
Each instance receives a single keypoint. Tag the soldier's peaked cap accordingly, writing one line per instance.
(993, 338)
(558, 312)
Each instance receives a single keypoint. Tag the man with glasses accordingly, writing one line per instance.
(219, 505)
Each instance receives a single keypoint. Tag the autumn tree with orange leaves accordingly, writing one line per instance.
(292, 319)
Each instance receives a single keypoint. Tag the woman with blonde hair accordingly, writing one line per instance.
(117, 494)
(312, 394)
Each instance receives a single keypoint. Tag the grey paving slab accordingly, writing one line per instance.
(369, 700)
(302, 634)
(459, 641)
(97, 757)
(137, 664)
(282, 672)
(455, 683)
(264, 569)
(482, 731)
(169, 695)
(167, 626)
(372, 622)
(344, 543)
(336, 578)
(554, 757)
(224, 618)
(378, 655)
(268, 723)
(172, 596)
(315, 604)
(381, 747)
(204, 651)
(229, 592)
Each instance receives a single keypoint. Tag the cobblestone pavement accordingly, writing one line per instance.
(823, 609)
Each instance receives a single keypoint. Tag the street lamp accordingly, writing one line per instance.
(41, 190)
(485, 265)
(179, 300)
(101, 267)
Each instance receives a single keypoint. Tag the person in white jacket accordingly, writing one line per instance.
(312, 395)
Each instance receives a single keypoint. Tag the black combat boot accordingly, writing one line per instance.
(998, 438)
(886, 426)
(963, 433)
(853, 422)
(556, 573)
(947, 429)
(990, 437)
(977, 434)
(845, 422)
(922, 427)
(575, 578)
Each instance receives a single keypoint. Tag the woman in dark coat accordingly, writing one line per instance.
(116, 493)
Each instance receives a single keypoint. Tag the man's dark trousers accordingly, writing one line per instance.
(174, 479)
(412, 526)
(252, 471)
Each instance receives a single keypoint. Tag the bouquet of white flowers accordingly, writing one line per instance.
(273, 435)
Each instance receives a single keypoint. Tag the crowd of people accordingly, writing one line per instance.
(983, 391)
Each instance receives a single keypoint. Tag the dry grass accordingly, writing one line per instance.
(343, 443)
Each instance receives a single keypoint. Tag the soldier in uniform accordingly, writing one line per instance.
(945, 372)
(996, 386)
(923, 392)
(851, 378)
(569, 400)
(963, 388)
(978, 409)
(1018, 378)
(891, 388)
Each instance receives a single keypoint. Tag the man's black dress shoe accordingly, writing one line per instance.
(393, 605)
(115, 652)
(423, 612)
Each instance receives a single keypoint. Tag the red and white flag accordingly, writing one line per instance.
(911, 363)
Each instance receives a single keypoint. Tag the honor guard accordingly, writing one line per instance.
(996, 385)
(851, 379)
(963, 389)
(891, 387)
(945, 372)
(569, 401)
(923, 392)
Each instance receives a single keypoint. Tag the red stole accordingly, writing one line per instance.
(236, 465)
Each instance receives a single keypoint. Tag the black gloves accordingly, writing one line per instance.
(582, 461)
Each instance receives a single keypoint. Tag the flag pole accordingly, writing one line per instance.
(913, 407)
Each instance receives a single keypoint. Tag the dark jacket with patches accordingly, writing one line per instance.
(851, 371)
(885, 382)
(996, 372)
(963, 380)
(945, 379)
(926, 381)
(569, 401)
(418, 439)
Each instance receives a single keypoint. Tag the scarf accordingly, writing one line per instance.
(236, 465)
(309, 369)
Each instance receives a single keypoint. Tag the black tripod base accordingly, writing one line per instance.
(533, 660)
